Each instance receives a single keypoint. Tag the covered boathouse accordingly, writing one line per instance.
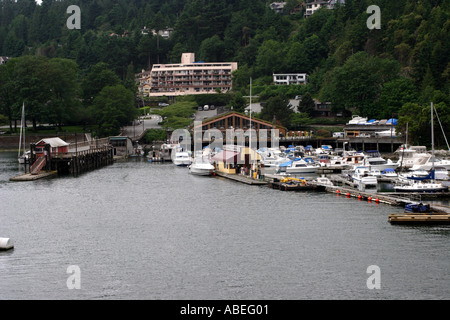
(236, 120)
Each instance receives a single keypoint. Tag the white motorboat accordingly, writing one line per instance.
(389, 173)
(374, 160)
(410, 156)
(201, 166)
(423, 184)
(298, 166)
(362, 175)
(419, 186)
(357, 120)
(441, 173)
(426, 165)
(181, 158)
(324, 181)
(272, 157)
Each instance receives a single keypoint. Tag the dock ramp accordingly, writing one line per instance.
(38, 165)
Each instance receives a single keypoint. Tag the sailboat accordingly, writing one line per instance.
(23, 158)
(418, 184)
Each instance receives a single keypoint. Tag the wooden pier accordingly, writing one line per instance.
(33, 177)
(241, 178)
(79, 158)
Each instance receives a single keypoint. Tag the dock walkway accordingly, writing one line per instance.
(241, 178)
(33, 177)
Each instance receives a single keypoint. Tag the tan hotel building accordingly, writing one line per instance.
(187, 77)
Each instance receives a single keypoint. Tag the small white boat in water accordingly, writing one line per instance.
(182, 159)
(201, 166)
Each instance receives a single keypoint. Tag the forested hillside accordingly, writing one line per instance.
(370, 72)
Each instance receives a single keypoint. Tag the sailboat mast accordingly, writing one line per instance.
(21, 129)
(432, 140)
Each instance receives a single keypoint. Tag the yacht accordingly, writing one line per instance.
(412, 155)
(374, 160)
(181, 158)
(441, 173)
(419, 186)
(389, 173)
(349, 159)
(357, 120)
(297, 166)
(428, 163)
(272, 157)
(201, 166)
(363, 175)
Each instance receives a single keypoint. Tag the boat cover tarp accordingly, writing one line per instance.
(392, 121)
(430, 176)
(286, 164)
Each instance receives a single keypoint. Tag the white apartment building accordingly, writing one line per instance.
(289, 78)
(187, 77)
(317, 4)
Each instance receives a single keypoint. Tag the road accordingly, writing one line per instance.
(149, 122)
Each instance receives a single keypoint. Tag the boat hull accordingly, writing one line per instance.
(420, 189)
(201, 172)
(182, 163)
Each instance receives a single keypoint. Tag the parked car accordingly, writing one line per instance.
(338, 134)
(205, 107)
(162, 104)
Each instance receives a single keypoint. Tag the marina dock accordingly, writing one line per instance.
(33, 177)
(241, 178)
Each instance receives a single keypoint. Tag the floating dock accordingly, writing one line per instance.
(419, 218)
(241, 178)
(33, 177)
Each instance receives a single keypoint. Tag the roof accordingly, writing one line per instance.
(54, 142)
(225, 156)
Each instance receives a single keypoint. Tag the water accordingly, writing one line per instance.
(140, 230)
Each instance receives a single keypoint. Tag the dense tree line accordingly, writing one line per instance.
(370, 72)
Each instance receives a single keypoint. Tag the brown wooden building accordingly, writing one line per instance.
(235, 120)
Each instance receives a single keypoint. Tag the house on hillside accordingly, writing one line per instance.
(277, 7)
(289, 78)
(312, 7)
(3, 59)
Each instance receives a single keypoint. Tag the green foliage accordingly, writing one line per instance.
(357, 69)
(307, 104)
(155, 135)
(177, 115)
(278, 107)
(113, 108)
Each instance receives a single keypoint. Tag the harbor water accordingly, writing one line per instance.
(140, 230)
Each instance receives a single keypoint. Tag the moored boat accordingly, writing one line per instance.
(201, 166)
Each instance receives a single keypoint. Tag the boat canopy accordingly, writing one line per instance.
(392, 121)
(286, 164)
(430, 176)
